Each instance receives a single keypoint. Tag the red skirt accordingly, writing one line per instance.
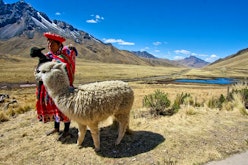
(46, 109)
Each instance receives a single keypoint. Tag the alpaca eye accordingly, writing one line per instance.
(43, 71)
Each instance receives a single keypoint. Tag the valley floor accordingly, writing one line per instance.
(184, 138)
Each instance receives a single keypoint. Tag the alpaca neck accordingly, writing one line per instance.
(62, 97)
(58, 89)
(57, 84)
(60, 92)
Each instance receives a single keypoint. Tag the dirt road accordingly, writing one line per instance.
(239, 159)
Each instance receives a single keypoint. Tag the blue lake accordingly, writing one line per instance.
(220, 81)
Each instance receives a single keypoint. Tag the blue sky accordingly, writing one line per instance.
(171, 29)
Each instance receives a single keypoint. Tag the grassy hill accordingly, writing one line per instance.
(88, 50)
(238, 61)
(18, 66)
(233, 66)
(19, 69)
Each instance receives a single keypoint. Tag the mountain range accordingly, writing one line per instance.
(193, 62)
(22, 27)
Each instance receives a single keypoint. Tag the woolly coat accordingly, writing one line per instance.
(88, 103)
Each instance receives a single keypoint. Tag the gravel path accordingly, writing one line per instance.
(237, 159)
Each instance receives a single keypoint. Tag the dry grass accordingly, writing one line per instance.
(21, 99)
(217, 72)
(92, 71)
(191, 136)
(18, 69)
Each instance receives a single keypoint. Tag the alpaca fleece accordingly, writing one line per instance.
(88, 104)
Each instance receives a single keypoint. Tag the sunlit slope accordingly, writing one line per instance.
(236, 61)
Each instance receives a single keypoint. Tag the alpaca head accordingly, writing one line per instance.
(53, 75)
(36, 52)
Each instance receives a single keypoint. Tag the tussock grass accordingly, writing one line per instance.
(3, 117)
(18, 110)
(238, 104)
(19, 102)
(159, 104)
(191, 110)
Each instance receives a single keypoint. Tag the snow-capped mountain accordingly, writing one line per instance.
(21, 18)
(22, 27)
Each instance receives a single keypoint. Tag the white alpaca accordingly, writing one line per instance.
(89, 104)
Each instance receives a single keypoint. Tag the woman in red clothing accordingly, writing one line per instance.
(46, 108)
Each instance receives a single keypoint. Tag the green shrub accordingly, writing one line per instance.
(222, 99)
(244, 95)
(213, 103)
(182, 99)
(158, 103)
(216, 102)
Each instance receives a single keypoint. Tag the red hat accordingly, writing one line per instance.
(54, 37)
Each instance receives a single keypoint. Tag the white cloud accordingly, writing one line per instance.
(57, 13)
(207, 58)
(157, 43)
(97, 18)
(118, 41)
(157, 51)
(144, 49)
(182, 51)
(91, 21)
(178, 57)
(125, 43)
(212, 58)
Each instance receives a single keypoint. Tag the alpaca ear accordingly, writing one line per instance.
(63, 66)
(58, 65)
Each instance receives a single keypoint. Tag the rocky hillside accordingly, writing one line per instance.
(22, 19)
(144, 54)
(192, 62)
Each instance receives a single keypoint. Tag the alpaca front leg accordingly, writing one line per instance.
(95, 136)
(81, 133)
(123, 125)
(121, 133)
